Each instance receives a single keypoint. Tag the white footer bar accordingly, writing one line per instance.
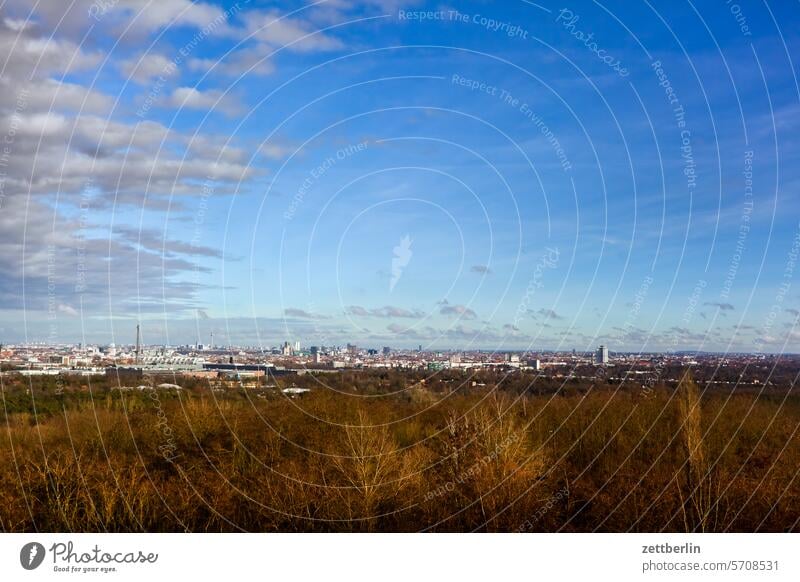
(406, 557)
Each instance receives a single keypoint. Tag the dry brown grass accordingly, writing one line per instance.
(604, 461)
(700, 487)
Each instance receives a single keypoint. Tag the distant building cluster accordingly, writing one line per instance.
(291, 357)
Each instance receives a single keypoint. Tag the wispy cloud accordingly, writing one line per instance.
(302, 314)
(209, 100)
(460, 311)
(549, 314)
(387, 311)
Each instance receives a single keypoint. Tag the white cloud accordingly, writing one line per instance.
(154, 14)
(252, 60)
(74, 17)
(275, 151)
(277, 30)
(29, 53)
(67, 310)
(63, 141)
(143, 69)
(210, 100)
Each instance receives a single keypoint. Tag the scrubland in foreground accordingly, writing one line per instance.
(254, 460)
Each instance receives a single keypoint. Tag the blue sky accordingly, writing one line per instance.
(497, 175)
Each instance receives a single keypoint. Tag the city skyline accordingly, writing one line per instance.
(487, 177)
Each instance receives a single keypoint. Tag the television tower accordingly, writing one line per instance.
(138, 343)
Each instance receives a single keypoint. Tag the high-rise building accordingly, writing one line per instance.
(601, 357)
(387, 350)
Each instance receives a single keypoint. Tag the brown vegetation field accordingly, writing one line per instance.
(401, 456)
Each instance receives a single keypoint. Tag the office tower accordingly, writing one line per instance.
(602, 355)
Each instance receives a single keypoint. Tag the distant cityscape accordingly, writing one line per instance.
(243, 362)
